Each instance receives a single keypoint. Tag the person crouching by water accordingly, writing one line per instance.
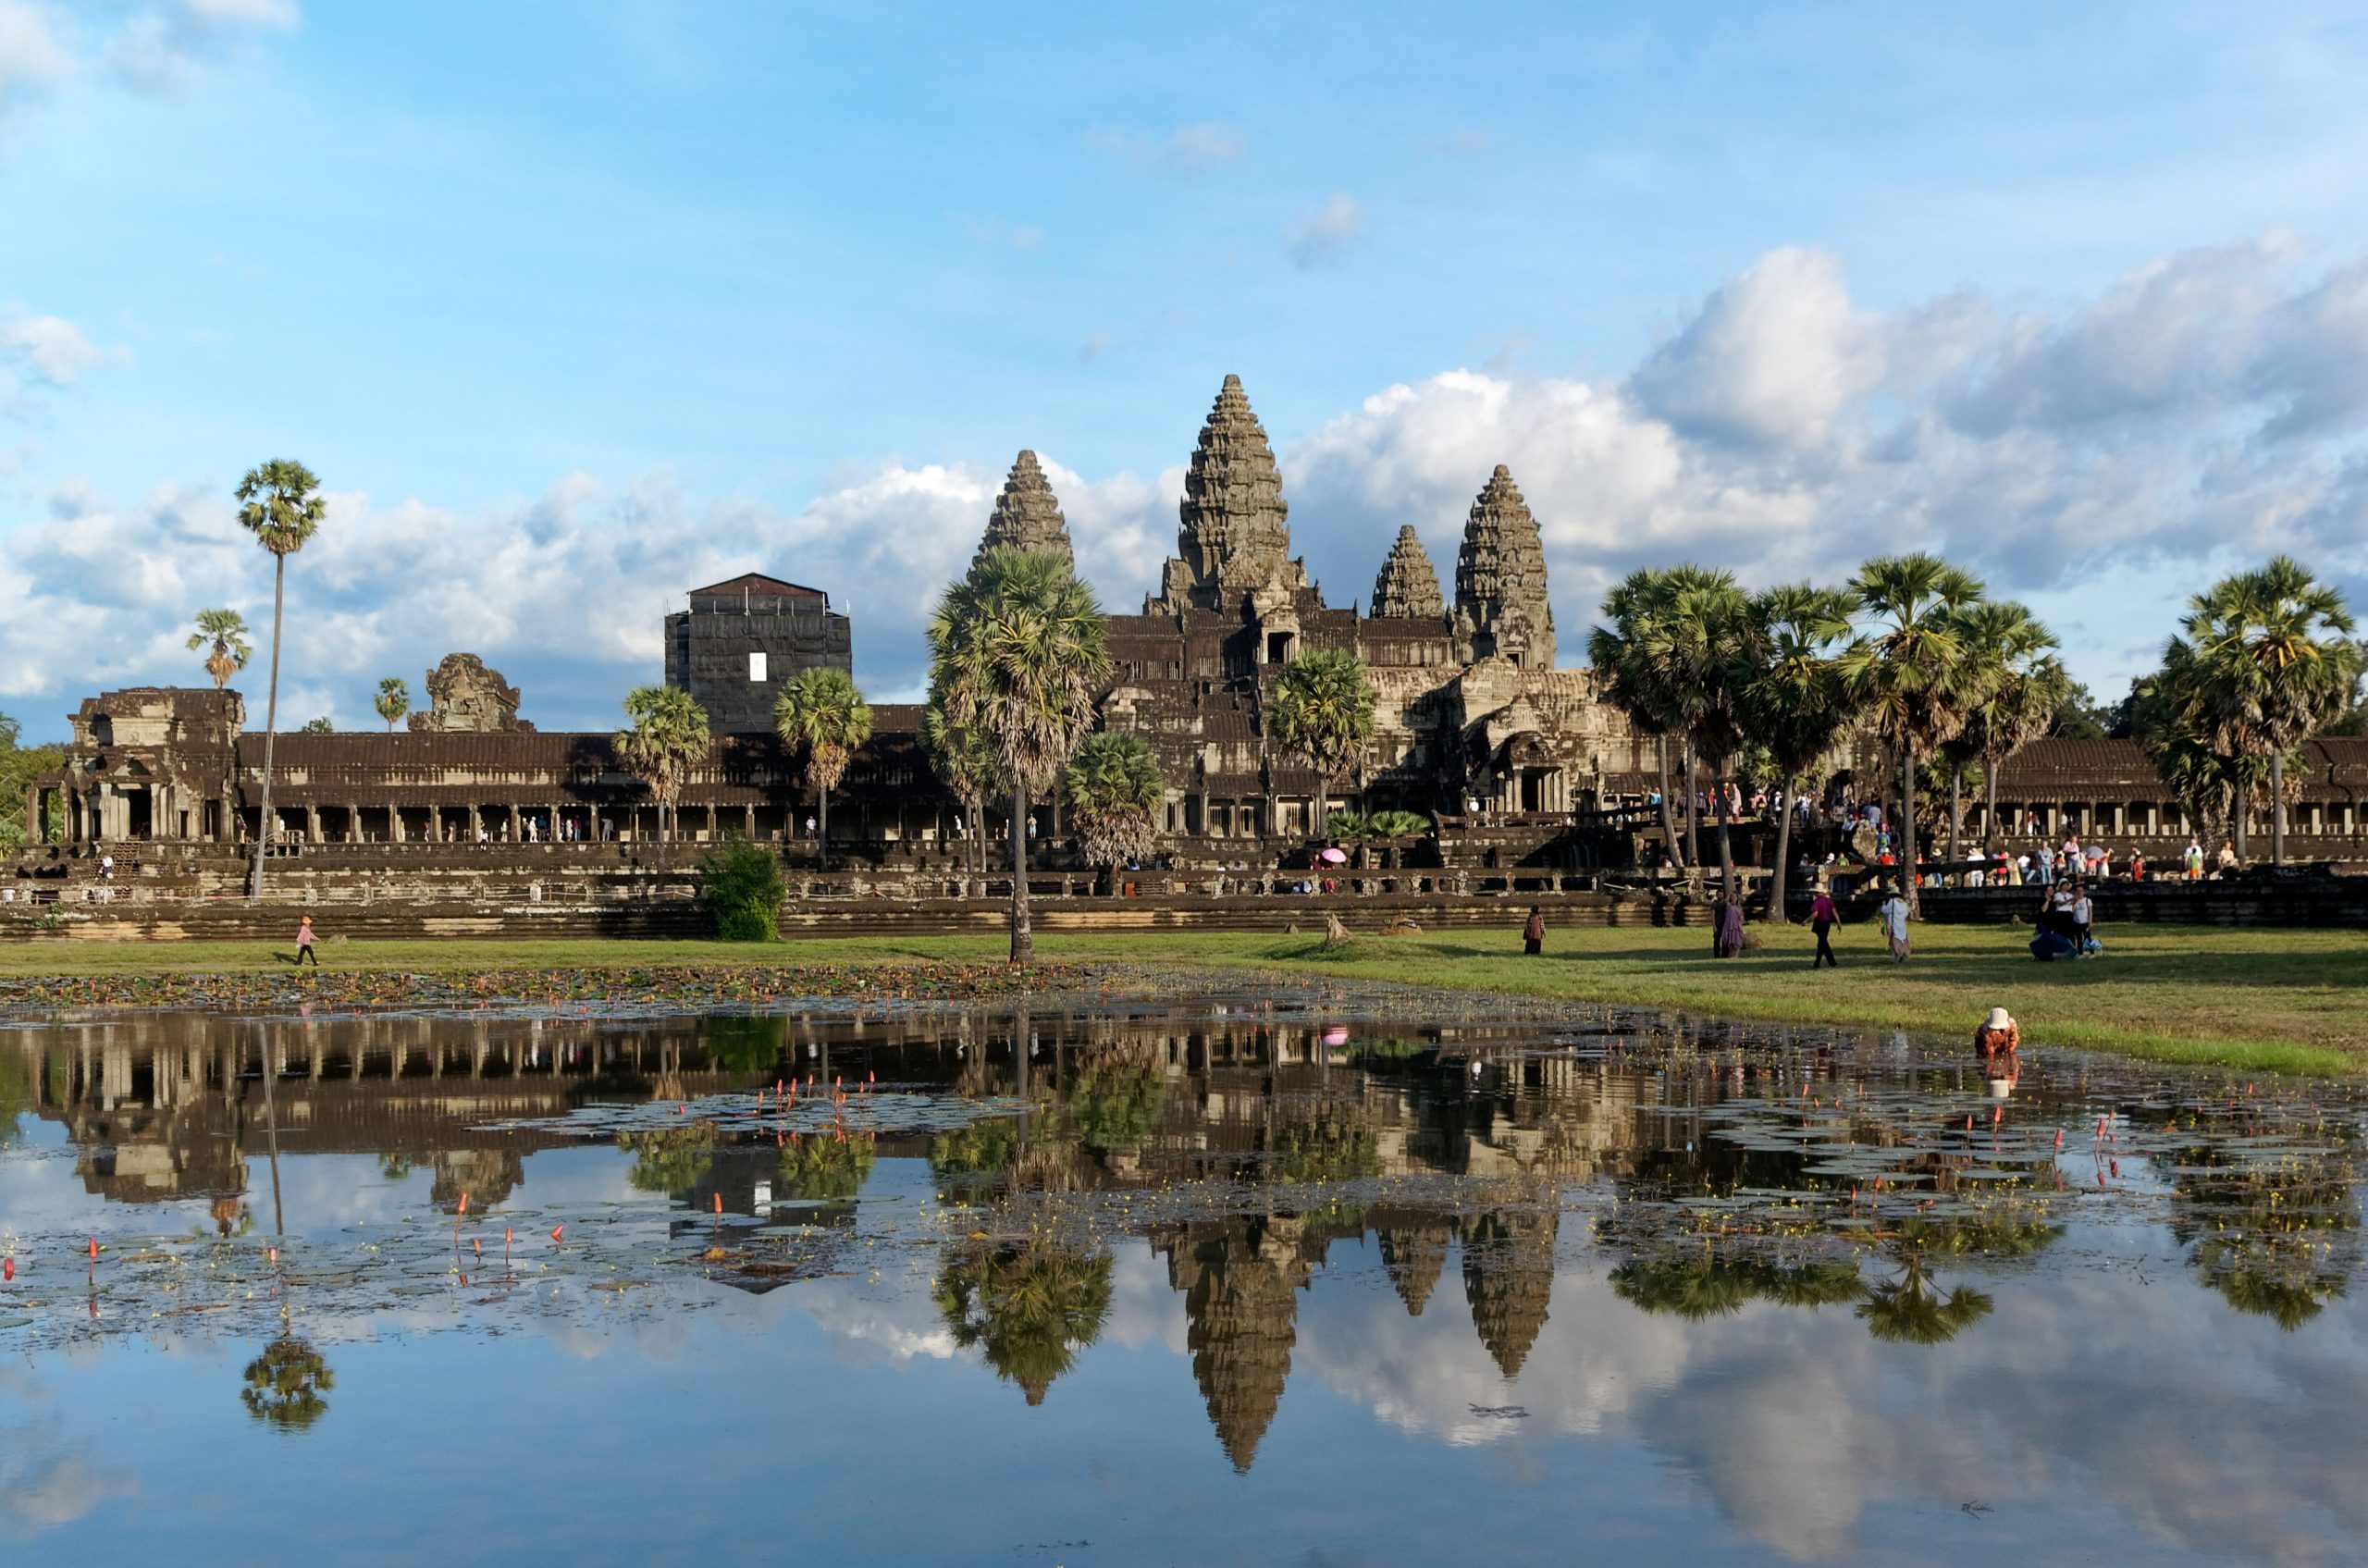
(305, 943)
(1822, 916)
(1533, 932)
(1997, 1044)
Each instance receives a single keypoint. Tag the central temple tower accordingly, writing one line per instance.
(1235, 539)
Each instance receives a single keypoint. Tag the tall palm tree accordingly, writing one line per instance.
(1909, 668)
(1793, 698)
(224, 634)
(1030, 1306)
(1321, 712)
(1703, 643)
(821, 713)
(2171, 714)
(1015, 650)
(1618, 650)
(394, 701)
(2275, 649)
(964, 765)
(280, 503)
(283, 1386)
(666, 733)
(2016, 686)
(1115, 792)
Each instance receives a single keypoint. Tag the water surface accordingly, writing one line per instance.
(1294, 1278)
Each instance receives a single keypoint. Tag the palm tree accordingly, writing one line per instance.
(1793, 699)
(2273, 647)
(2019, 687)
(1321, 712)
(667, 734)
(1624, 653)
(280, 504)
(967, 766)
(1115, 792)
(2170, 714)
(224, 633)
(1909, 669)
(1702, 644)
(1015, 649)
(394, 701)
(822, 714)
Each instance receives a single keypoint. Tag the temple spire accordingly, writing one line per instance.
(1500, 605)
(1235, 536)
(1027, 516)
(1409, 585)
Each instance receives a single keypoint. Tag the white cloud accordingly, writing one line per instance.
(169, 45)
(31, 58)
(1326, 236)
(50, 348)
(1188, 152)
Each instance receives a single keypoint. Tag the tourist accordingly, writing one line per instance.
(305, 943)
(2138, 865)
(2230, 865)
(106, 868)
(1822, 916)
(2100, 861)
(1998, 1036)
(2084, 923)
(2046, 859)
(1533, 933)
(1731, 930)
(1894, 915)
(2193, 859)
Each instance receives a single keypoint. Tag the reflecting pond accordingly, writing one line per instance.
(1302, 1276)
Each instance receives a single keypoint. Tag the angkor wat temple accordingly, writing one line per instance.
(1474, 723)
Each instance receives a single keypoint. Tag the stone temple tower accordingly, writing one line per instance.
(1500, 606)
(1409, 585)
(1235, 539)
(1026, 515)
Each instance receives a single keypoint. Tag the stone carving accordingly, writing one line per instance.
(1409, 585)
(1500, 605)
(1027, 516)
(465, 697)
(1235, 536)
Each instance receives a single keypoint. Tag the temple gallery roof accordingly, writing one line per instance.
(756, 584)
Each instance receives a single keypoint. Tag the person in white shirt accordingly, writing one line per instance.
(2084, 917)
(1894, 915)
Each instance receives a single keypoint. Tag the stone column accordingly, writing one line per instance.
(312, 825)
(517, 825)
(477, 823)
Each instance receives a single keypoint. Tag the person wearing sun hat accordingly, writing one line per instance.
(1998, 1036)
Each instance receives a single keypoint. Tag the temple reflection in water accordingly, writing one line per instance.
(1716, 1168)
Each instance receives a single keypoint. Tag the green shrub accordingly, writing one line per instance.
(741, 890)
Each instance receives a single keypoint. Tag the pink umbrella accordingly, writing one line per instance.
(1335, 856)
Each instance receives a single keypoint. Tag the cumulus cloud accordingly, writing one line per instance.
(31, 58)
(1326, 236)
(48, 349)
(2203, 411)
(169, 46)
(389, 589)
(1188, 152)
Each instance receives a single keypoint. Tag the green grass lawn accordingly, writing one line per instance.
(2278, 1000)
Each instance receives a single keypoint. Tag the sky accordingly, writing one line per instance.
(575, 307)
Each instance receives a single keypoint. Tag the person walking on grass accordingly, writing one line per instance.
(1894, 914)
(305, 943)
(1822, 916)
(1533, 932)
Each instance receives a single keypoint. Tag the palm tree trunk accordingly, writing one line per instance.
(2277, 806)
(2241, 811)
(822, 829)
(1726, 845)
(1990, 805)
(1321, 828)
(270, 721)
(1783, 855)
(1907, 827)
(977, 809)
(1023, 946)
(1668, 822)
(1692, 816)
(1957, 813)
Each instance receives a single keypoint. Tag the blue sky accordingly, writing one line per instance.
(574, 307)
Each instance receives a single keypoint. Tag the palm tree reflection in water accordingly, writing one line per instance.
(284, 1385)
(1029, 1308)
